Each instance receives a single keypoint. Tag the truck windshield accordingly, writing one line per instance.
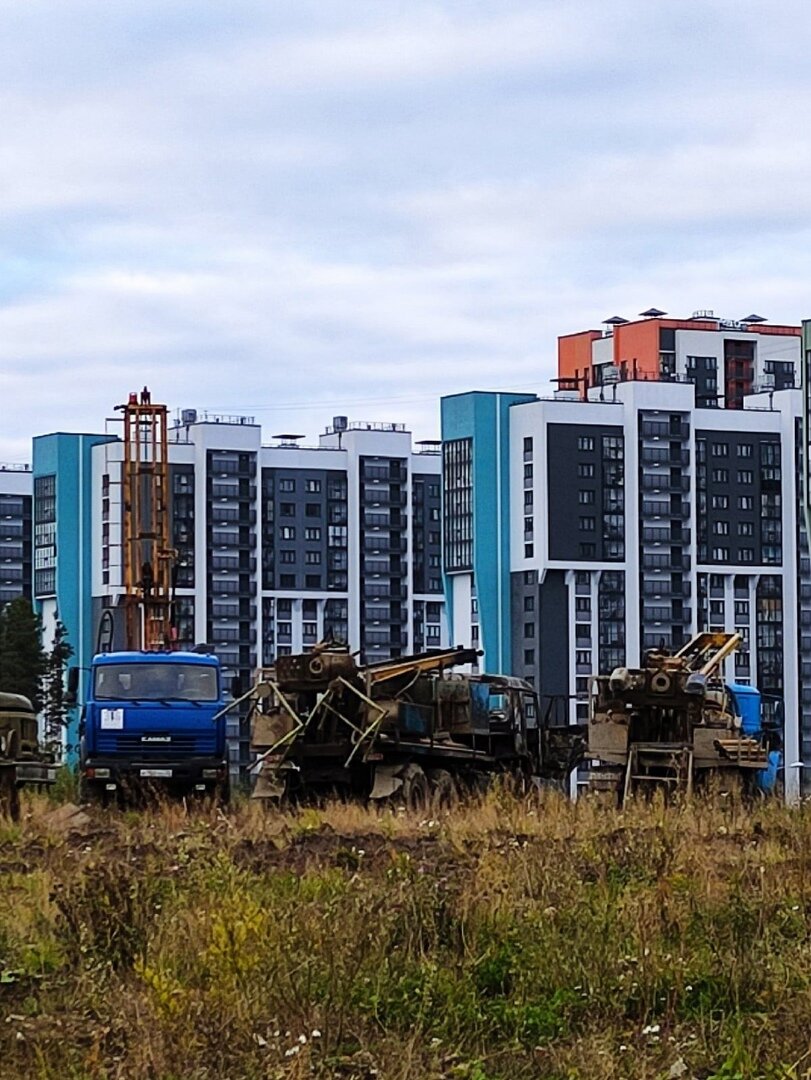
(155, 682)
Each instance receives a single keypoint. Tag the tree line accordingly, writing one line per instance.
(27, 668)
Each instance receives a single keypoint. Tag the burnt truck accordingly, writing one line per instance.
(22, 760)
(409, 728)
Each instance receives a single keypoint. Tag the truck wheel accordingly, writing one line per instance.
(9, 794)
(92, 794)
(415, 792)
(444, 793)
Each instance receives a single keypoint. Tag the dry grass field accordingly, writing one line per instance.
(506, 939)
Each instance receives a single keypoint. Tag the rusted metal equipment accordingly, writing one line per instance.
(407, 726)
(148, 558)
(22, 760)
(675, 721)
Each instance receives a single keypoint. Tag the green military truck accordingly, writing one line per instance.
(22, 760)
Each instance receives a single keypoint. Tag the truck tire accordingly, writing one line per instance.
(444, 792)
(415, 793)
(222, 795)
(9, 794)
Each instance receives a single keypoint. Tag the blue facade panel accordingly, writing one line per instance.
(485, 418)
(67, 457)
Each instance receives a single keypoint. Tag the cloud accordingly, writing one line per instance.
(322, 206)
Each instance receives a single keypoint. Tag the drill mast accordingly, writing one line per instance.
(145, 526)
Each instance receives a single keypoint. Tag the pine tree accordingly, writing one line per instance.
(56, 710)
(23, 661)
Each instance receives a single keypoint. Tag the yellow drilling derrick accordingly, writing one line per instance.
(147, 555)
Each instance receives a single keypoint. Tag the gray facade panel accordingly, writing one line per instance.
(586, 493)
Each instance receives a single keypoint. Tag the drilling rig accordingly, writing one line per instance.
(147, 556)
(675, 721)
(153, 715)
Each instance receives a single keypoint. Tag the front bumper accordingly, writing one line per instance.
(189, 773)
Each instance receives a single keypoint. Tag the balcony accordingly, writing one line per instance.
(664, 561)
(224, 491)
(664, 429)
(665, 482)
(661, 456)
(383, 545)
(664, 588)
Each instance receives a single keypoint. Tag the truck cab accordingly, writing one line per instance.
(151, 720)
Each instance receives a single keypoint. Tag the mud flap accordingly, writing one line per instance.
(387, 782)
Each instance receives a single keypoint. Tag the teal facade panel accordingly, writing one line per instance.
(67, 457)
(484, 417)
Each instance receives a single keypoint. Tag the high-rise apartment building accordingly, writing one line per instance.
(632, 510)
(726, 360)
(15, 532)
(277, 546)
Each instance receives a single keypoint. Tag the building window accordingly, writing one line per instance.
(313, 533)
(720, 554)
(746, 528)
(312, 510)
(528, 472)
(720, 502)
(287, 509)
(287, 555)
(457, 456)
(585, 442)
(312, 558)
(313, 487)
(312, 581)
(529, 656)
(585, 470)
(720, 476)
(613, 449)
(746, 502)
(287, 486)
(585, 497)
(720, 449)
(529, 630)
(529, 551)
(528, 498)
(587, 523)
(527, 447)
(744, 449)
(529, 603)
(720, 528)
(746, 555)
(288, 532)
(587, 551)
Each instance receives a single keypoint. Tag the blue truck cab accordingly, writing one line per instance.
(151, 719)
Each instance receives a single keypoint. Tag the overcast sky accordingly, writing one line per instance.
(299, 208)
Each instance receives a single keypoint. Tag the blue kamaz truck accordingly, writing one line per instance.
(154, 720)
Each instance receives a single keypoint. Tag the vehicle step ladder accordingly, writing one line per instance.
(668, 766)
